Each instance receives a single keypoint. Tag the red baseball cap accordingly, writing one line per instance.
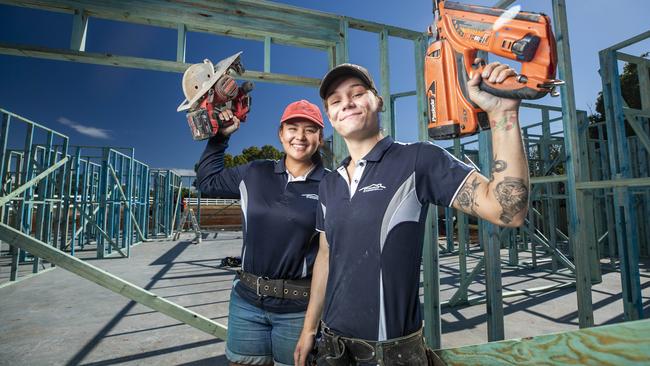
(304, 110)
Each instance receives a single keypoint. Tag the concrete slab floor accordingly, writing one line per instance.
(57, 318)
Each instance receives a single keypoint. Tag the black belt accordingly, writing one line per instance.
(284, 289)
(338, 350)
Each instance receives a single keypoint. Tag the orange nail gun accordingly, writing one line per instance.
(209, 90)
(462, 31)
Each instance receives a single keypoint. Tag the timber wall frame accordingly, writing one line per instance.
(274, 23)
(613, 185)
(626, 179)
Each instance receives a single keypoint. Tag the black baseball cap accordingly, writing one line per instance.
(345, 70)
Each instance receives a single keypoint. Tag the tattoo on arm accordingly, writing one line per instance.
(498, 166)
(504, 124)
(467, 196)
(512, 195)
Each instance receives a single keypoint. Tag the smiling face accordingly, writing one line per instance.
(353, 109)
(300, 139)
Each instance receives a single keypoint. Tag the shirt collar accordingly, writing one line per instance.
(280, 167)
(316, 173)
(375, 154)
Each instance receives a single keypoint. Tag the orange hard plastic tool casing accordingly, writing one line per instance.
(463, 30)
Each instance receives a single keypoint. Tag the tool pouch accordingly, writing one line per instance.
(408, 352)
(332, 352)
(433, 358)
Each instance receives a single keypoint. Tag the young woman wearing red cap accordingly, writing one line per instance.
(279, 200)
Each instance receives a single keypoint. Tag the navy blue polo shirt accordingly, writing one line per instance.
(375, 227)
(279, 218)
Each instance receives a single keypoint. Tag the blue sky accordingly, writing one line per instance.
(109, 106)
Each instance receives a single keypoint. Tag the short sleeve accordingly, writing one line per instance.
(322, 209)
(439, 175)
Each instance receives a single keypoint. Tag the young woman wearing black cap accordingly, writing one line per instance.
(373, 208)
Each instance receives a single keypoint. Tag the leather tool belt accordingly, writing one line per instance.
(283, 289)
(335, 350)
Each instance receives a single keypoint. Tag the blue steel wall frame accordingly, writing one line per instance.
(82, 202)
(165, 188)
(59, 199)
(32, 177)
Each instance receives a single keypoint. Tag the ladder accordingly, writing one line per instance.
(190, 219)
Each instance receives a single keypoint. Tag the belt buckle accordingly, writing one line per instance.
(257, 284)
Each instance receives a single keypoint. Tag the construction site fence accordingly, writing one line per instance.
(211, 201)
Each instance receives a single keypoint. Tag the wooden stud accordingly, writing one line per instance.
(388, 122)
(181, 42)
(79, 30)
(492, 253)
(570, 123)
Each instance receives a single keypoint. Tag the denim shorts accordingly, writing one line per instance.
(259, 337)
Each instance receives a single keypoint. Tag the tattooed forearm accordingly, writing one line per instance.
(512, 195)
(466, 198)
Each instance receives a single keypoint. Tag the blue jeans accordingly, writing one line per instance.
(259, 337)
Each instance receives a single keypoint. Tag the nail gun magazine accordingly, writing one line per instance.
(209, 89)
(460, 32)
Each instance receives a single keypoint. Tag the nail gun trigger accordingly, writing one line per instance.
(551, 83)
(481, 63)
(555, 82)
(554, 92)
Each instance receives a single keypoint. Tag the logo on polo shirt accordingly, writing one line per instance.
(372, 187)
(311, 196)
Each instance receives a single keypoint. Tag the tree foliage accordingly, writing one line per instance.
(269, 152)
(252, 153)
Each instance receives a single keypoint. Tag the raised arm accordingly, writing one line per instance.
(211, 177)
(316, 302)
(502, 199)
